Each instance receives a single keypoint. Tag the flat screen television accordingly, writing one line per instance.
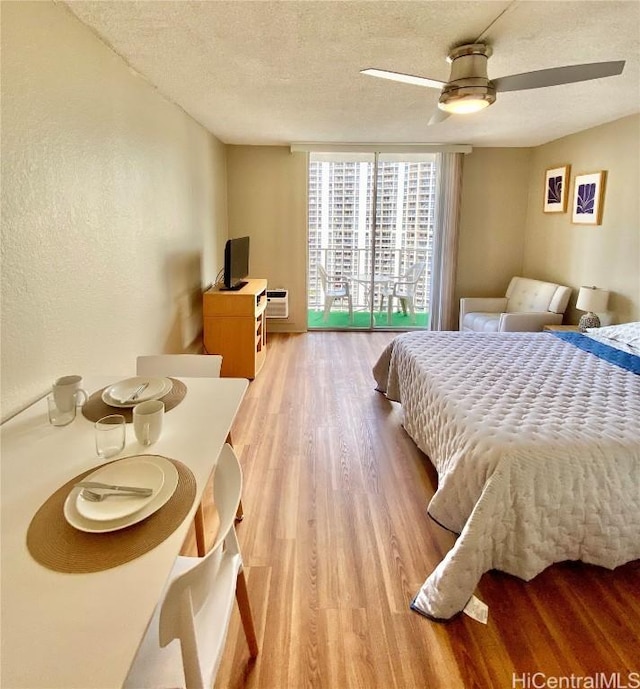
(236, 263)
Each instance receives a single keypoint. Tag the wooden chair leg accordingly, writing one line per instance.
(198, 522)
(240, 512)
(242, 596)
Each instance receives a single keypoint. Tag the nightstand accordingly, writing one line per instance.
(566, 328)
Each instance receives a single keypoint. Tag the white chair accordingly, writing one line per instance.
(334, 288)
(189, 366)
(186, 637)
(528, 306)
(403, 289)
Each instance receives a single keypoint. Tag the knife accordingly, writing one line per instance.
(136, 393)
(106, 486)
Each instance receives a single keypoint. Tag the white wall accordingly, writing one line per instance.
(606, 255)
(113, 208)
(268, 202)
(492, 212)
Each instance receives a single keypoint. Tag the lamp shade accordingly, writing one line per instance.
(592, 299)
(461, 103)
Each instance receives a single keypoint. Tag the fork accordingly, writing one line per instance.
(114, 487)
(92, 496)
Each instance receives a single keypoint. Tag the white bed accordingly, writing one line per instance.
(537, 448)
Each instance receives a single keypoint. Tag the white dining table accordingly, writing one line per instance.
(372, 285)
(83, 630)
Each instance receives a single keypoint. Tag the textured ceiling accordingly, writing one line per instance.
(273, 72)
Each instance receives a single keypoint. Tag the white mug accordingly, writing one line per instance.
(147, 421)
(67, 391)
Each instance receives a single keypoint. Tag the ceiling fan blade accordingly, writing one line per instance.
(404, 78)
(438, 116)
(558, 75)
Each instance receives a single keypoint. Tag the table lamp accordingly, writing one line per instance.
(592, 300)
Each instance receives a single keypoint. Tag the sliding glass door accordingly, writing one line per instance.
(339, 238)
(370, 233)
(403, 238)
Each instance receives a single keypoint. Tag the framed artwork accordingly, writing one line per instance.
(556, 185)
(588, 198)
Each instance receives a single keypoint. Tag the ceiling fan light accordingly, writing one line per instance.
(464, 106)
(462, 101)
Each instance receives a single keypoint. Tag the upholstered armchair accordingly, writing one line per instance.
(528, 306)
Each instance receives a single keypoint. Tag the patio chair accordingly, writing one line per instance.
(403, 288)
(334, 287)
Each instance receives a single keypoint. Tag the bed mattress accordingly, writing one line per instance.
(537, 448)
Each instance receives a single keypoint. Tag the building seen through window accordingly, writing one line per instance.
(340, 227)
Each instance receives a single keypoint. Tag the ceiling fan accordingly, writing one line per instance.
(469, 89)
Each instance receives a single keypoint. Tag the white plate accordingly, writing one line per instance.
(157, 388)
(141, 474)
(168, 488)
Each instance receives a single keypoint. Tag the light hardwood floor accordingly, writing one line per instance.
(336, 542)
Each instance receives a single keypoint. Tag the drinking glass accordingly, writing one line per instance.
(110, 435)
(58, 416)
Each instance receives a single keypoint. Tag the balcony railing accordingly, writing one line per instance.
(356, 265)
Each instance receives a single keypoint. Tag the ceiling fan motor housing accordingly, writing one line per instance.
(468, 79)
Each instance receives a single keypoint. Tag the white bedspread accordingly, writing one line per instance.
(537, 448)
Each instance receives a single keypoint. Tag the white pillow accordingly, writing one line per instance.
(627, 333)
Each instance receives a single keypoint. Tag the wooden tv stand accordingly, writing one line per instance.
(234, 326)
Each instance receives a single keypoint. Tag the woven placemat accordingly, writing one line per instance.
(57, 545)
(95, 408)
